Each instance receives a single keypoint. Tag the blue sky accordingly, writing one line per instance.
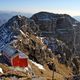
(71, 7)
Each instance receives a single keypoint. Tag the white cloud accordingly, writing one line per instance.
(32, 10)
(59, 11)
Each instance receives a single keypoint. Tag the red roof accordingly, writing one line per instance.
(15, 57)
(17, 61)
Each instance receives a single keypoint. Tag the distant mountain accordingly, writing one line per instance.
(77, 18)
(61, 34)
(5, 16)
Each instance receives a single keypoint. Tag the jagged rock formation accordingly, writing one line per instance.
(14, 27)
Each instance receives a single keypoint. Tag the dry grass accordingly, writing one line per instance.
(60, 74)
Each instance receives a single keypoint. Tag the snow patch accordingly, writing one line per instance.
(42, 39)
(37, 37)
(44, 47)
(22, 33)
(1, 71)
(38, 65)
(26, 69)
(49, 49)
(29, 69)
(74, 25)
(19, 69)
(19, 16)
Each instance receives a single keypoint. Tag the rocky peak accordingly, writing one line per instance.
(60, 26)
(18, 22)
(47, 19)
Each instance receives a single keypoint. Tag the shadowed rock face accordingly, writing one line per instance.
(18, 22)
(12, 28)
(60, 26)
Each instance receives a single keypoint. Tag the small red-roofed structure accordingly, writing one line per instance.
(15, 57)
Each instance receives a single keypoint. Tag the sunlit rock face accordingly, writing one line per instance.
(12, 28)
(60, 26)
